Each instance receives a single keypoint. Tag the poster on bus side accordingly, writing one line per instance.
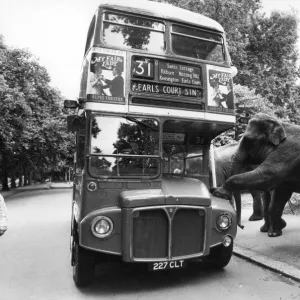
(105, 79)
(220, 90)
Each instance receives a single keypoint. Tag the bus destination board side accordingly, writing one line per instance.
(157, 88)
(180, 74)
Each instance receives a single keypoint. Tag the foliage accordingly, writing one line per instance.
(271, 67)
(138, 137)
(33, 136)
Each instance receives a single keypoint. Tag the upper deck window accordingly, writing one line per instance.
(132, 32)
(196, 43)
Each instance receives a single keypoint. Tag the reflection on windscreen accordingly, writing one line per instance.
(197, 44)
(182, 160)
(133, 32)
(124, 146)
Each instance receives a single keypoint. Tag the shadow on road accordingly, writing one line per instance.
(115, 279)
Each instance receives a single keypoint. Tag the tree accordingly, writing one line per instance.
(33, 136)
(272, 55)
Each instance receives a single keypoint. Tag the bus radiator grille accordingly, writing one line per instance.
(151, 234)
(187, 232)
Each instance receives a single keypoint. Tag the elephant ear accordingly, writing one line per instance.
(277, 134)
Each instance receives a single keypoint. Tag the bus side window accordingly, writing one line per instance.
(80, 161)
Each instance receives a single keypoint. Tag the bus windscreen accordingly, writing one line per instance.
(124, 146)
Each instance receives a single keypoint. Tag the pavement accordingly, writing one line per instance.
(280, 254)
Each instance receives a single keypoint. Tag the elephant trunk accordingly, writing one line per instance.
(238, 205)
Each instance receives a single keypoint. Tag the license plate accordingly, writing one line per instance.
(167, 265)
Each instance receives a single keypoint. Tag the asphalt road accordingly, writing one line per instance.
(35, 264)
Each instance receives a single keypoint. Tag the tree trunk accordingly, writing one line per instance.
(21, 179)
(20, 175)
(13, 180)
(25, 177)
(5, 186)
(42, 176)
(30, 177)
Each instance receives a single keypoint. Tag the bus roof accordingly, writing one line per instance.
(163, 10)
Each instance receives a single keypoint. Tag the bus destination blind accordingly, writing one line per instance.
(167, 78)
(180, 74)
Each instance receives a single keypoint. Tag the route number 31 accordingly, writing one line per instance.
(143, 68)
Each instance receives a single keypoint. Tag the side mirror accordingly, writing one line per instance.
(70, 104)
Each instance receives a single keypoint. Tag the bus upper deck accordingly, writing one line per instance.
(161, 60)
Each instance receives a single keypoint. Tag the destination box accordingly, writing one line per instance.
(180, 74)
(157, 88)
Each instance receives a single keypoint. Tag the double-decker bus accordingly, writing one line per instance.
(156, 88)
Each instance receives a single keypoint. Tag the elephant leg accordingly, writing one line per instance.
(280, 197)
(266, 197)
(257, 206)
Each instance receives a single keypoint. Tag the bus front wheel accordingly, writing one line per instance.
(84, 266)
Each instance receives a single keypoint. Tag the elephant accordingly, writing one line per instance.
(223, 156)
(273, 146)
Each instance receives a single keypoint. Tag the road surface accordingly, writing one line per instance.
(35, 264)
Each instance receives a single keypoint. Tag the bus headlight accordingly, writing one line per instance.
(224, 221)
(102, 226)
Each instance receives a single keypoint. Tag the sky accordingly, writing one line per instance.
(55, 32)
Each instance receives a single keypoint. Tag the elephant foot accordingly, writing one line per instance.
(265, 228)
(255, 217)
(283, 224)
(222, 192)
(277, 232)
(274, 233)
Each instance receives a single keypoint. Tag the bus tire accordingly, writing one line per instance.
(220, 256)
(73, 240)
(84, 266)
